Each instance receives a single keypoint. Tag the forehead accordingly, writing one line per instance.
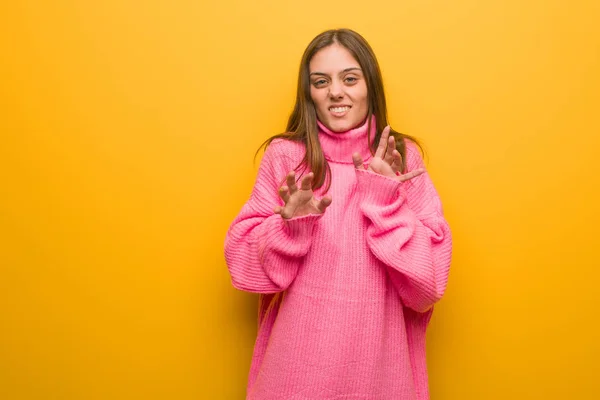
(332, 58)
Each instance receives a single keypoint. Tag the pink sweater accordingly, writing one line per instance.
(345, 296)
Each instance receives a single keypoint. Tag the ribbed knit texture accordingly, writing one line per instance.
(345, 296)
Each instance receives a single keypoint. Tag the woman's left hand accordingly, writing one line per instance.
(387, 160)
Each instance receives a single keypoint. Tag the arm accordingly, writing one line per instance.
(407, 232)
(263, 251)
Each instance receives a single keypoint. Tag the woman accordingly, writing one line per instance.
(344, 238)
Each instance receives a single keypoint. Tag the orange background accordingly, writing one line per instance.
(127, 136)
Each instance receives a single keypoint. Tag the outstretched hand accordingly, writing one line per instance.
(387, 160)
(300, 201)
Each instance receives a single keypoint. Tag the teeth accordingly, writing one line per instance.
(339, 109)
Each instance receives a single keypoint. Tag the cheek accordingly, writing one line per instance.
(359, 95)
(314, 97)
(362, 101)
(363, 94)
(317, 97)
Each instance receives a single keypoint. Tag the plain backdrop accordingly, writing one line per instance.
(127, 136)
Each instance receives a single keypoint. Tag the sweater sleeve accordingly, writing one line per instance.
(406, 231)
(263, 251)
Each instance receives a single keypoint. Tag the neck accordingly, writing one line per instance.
(338, 147)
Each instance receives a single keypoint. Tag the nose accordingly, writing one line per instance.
(336, 91)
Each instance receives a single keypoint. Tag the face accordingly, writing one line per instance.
(338, 88)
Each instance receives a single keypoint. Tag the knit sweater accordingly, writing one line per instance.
(345, 296)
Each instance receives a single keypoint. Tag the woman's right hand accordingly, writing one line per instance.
(299, 202)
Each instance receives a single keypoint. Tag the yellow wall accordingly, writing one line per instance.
(127, 135)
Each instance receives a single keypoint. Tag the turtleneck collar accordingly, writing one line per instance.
(338, 147)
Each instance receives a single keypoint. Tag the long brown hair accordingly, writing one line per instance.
(302, 123)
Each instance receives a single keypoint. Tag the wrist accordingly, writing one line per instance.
(377, 188)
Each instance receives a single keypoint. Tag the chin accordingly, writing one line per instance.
(341, 125)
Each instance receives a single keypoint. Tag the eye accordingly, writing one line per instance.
(350, 79)
(319, 82)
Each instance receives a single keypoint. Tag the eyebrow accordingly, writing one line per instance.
(344, 71)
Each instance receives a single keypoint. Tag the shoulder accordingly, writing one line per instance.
(414, 156)
(282, 156)
(285, 149)
(286, 146)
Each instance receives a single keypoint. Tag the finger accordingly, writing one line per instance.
(278, 210)
(411, 174)
(287, 212)
(397, 163)
(291, 182)
(358, 161)
(324, 203)
(307, 181)
(383, 142)
(391, 147)
(284, 193)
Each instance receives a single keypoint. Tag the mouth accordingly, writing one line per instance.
(339, 111)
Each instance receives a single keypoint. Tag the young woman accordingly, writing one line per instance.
(344, 238)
